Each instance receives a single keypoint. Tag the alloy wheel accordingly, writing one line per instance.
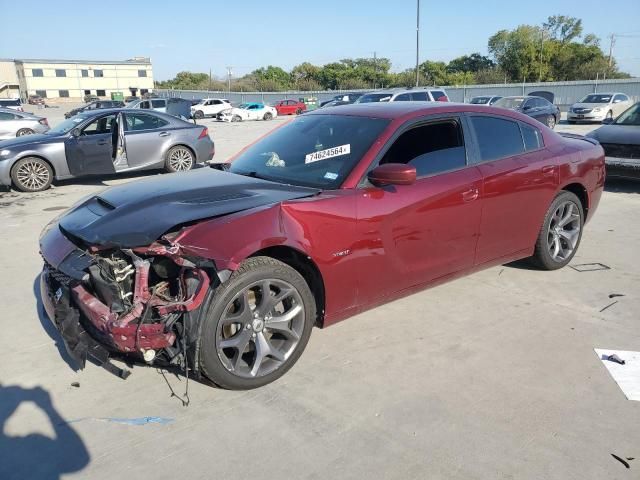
(180, 159)
(260, 328)
(551, 121)
(564, 231)
(24, 131)
(32, 175)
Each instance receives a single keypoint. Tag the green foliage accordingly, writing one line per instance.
(552, 51)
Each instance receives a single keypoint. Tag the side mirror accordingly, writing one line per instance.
(76, 132)
(607, 121)
(392, 174)
(526, 107)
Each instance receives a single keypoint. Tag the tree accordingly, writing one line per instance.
(562, 28)
(271, 79)
(470, 63)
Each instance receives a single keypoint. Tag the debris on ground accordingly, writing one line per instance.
(624, 368)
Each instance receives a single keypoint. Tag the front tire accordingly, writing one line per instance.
(609, 115)
(24, 131)
(31, 174)
(179, 159)
(551, 122)
(267, 116)
(198, 115)
(561, 232)
(257, 325)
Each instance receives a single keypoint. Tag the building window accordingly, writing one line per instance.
(98, 73)
(63, 93)
(37, 72)
(87, 92)
(101, 93)
(61, 72)
(84, 73)
(142, 73)
(143, 91)
(41, 93)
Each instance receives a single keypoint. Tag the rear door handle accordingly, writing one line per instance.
(164, 134)
(549, 170)
(470, 195)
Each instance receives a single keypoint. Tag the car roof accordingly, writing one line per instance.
(19, 113)
(106, 111)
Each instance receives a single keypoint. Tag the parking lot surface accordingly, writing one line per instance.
(489, 377)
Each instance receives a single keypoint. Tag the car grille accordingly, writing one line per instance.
(621, 150)
(61, 278)
(582, 110)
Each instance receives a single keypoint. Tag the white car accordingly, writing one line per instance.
(596, 107)
(157, 104)
(209, 107)
(248, 111)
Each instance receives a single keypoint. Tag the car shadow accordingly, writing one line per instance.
(49, 327)
(621, 185)
(36, 455)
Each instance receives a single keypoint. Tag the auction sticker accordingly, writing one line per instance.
(328, 153)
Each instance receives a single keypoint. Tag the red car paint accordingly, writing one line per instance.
(290, 107)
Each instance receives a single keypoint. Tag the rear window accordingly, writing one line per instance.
(374, 97)
(532, 137)
(497, 137)
(158, 103)
(480, 100)
(10, 103)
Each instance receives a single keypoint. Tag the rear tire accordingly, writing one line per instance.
(24, 131)
(560, 234)
(179, 159)
(298, 111)
(245, 342)
(236, 118)
(551, 122)
(31, 174)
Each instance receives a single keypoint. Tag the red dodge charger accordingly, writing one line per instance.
(224, 271)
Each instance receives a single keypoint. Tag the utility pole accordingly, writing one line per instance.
(612, 42)
(541, 49)
(375, 71)
(229, 78)
(417, 42)
(209, 79)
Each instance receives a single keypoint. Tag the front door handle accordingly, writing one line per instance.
(102, 142)
(470, 195)
(549, 170)
(164, 134)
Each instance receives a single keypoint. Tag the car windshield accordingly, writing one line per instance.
(631, 116)
(315, 151)
(596, 98)
(374, 97)
(67, 125)
(512, 103)
(480, 100)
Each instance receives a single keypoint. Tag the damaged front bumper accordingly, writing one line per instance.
(140, 312)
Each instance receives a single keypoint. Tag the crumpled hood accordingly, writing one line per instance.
(28, 139)
(138, 213)
(622, 134)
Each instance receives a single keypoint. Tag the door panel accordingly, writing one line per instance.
(146, 137)
(413, 234)
(91, 152)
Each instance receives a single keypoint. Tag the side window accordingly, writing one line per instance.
(437, 95)
(216, 102)
(433, 148)
(100, 125)
(146, 105)
(496, 137)
(7, 116)
(532, 137)
(404, 97)
(142, 121)
(420, 96)
(158, 103)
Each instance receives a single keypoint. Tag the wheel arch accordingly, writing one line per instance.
(182, 144)
(29, 155)
(581, 192)
(305, 266)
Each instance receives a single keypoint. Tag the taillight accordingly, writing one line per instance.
(204, 133)
(43, 121)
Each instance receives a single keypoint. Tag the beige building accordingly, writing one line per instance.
(73, 79)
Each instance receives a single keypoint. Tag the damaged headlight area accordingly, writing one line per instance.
(137, 301)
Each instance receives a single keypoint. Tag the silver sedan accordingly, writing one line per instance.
(103, 142)
(16, 124)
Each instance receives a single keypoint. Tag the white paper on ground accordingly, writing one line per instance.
(627, 376)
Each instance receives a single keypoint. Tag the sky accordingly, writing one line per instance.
(201, 35)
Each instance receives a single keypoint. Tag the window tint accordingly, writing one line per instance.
(60, 72)
(87, 92)
(7, 116)
(98, 73)
(433, 148)
(142, 73)
(84, 73)
(142, 121)
(37, 72)
(497, 138)
(420, 96)
(63, 93)
(158, 103)
(100, 93)
(437, 94)
(100, 125)
(146, 105)
(532, 137)
(405, 97)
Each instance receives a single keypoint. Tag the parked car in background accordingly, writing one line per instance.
(484, 100)
(101, 142)
(90, 98)
(17, 124)
(597, 107)
(535, 107)
(620, 138)
(157, 104)
(328, 216)
(131, 98)
(209, 107)
(35, 100)
(96, 105)
(12, 103)
(343, 99)
(405, 95)
(248, 111)
(290, 107)
(195, 101)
